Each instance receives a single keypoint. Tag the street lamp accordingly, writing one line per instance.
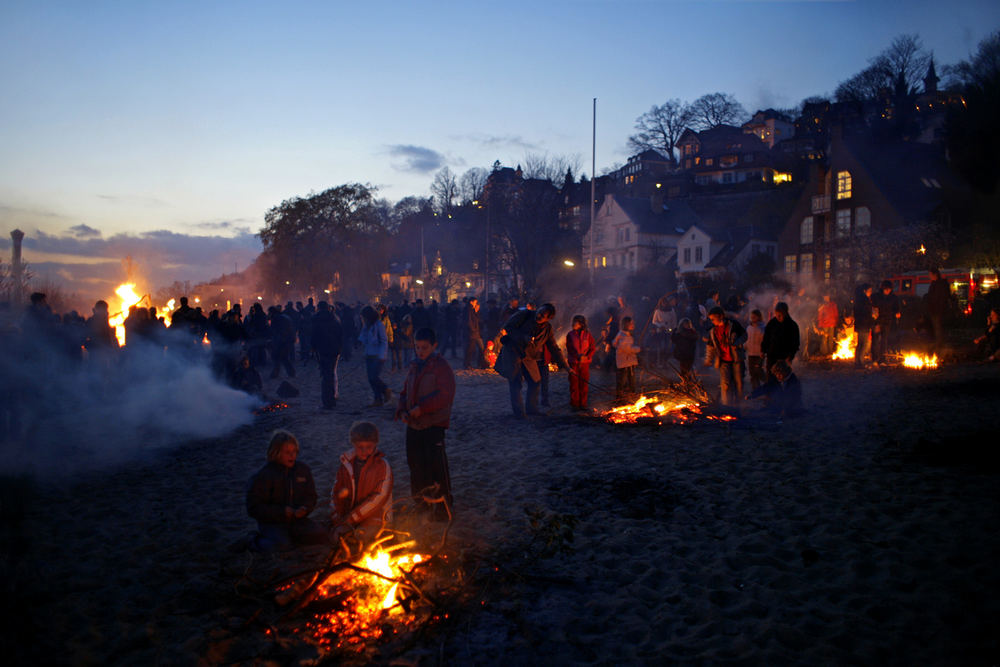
(570, 263)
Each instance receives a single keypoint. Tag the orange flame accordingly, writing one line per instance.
(919, 361)
(845, 349)
(126, 293)
(676, 408)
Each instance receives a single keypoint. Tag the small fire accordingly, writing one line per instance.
(663, 407)
(370, 599)
(845, 349)
(919, 361)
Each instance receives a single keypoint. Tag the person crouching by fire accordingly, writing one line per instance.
(528, 333)
(361, 500)
(425, 406)
(280, 497)
(726, 339)
(783, 391)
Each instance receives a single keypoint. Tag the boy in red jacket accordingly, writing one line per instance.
(425, 406)
(361, 500)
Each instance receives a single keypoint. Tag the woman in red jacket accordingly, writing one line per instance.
(580, 348)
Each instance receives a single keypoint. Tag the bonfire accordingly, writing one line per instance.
(919, 361)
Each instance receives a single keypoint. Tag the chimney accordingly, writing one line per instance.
(16, 267)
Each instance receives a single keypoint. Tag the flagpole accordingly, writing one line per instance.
(593, 180)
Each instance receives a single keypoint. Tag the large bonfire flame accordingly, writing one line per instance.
(128, 297)
(662, 407)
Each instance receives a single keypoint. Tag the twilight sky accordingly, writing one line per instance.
(166, 130)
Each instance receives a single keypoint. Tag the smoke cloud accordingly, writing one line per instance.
(65, 413)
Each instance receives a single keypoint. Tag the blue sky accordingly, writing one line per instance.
(188, 120)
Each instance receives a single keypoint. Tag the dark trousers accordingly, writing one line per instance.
(756, 367)
(284, 536)
(283, 354)
(864, 345)
(474, 352)
(517, 402)
(624, 381)
(578, 384)
(428, 462)
(373, 366)
(543, 382)
(328, 379)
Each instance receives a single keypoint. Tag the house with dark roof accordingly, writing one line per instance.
(727, 230)
(630, 233)
(862, 203)
(727, 155)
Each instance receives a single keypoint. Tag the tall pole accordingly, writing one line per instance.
(593, 180)
(486, 271)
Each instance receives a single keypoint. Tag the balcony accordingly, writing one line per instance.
(820, 204)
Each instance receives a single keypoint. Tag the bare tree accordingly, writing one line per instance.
(898, 69)
(715, 109)
(659, 128)
(548, 168)
(444, 189)
(471, 184)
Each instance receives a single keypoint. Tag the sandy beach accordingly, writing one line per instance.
(863, 532)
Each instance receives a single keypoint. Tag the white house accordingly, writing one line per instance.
(630, 233)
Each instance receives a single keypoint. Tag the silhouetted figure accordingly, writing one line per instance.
(326, 342)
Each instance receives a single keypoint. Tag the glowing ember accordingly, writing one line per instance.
(663, 407)
(919, 361)
(368, 600)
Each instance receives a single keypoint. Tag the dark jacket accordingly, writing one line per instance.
(785, 397)
(781, 339)
(327, 335)
(736, 336)
(938, 298)
(472, 326)
(685, 343)
(524, 345)
(275, 487)
(863, 317)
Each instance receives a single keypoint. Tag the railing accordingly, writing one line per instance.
(820, 203)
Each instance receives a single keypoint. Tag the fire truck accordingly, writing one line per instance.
(966, 284)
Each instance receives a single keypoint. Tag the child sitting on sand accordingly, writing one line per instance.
(362, 495)
(783, 391)
(280, 497)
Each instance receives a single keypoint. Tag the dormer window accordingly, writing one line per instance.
(844, 185)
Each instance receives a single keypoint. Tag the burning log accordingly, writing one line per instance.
(919, 361)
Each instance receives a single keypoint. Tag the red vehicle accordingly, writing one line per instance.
(965, 284)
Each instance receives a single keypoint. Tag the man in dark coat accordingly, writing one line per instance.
(887, 305)
(938, 300)
(282, 343)
(781, 337)
(529, 334)
(864, 320)
(326, 341)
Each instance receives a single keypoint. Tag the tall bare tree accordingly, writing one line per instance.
(471, 184)
(659, 128)
(549, 168)
(715, 109)
(899, 69)
(444, 189)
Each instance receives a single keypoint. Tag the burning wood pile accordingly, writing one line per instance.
(661, 408)
(366, 599)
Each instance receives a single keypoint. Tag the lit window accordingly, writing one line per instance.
(843, 223)
(782, 177)
(790, 263)
(727, 160)
(843, 185)
(806, 230)
(862, 220)
(709, 162)
(806, 263)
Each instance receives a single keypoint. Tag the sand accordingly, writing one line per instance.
(861, 532)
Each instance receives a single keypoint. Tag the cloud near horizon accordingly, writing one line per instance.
(416, 158)
(83, 262)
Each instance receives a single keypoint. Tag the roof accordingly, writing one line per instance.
(674, 218)
(913, 177)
